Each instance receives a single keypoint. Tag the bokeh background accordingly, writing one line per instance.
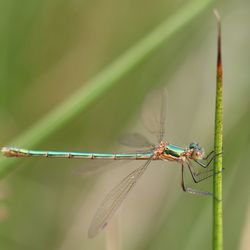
(49, 49)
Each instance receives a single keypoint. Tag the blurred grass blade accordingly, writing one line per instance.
(105, 80)
(217, 201)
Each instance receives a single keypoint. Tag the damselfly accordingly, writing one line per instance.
(163, 151)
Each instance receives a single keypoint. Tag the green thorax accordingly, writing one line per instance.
(174, 150)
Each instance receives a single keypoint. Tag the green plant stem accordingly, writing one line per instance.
(104, 81)
(217, 185)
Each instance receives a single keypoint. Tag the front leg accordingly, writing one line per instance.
(199, 176)
(206, 157)
(206, 164)
(191, 190)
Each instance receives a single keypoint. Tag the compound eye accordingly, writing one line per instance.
(192, 145)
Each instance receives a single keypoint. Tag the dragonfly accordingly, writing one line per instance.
(188, 157)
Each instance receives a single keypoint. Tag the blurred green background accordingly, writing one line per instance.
(49, 49)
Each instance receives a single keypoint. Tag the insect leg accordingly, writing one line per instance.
(205, 165)
(190, 190)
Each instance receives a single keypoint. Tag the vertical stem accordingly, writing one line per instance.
(217, 184)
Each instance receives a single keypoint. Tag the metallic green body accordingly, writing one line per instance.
(174, 150)
(19, 152)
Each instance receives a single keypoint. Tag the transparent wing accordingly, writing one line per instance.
(114, 199)
(135, 140)
(154, 113)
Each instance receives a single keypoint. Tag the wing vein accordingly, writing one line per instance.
(114, 199)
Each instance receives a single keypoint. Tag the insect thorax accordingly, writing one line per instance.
(174, 150)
